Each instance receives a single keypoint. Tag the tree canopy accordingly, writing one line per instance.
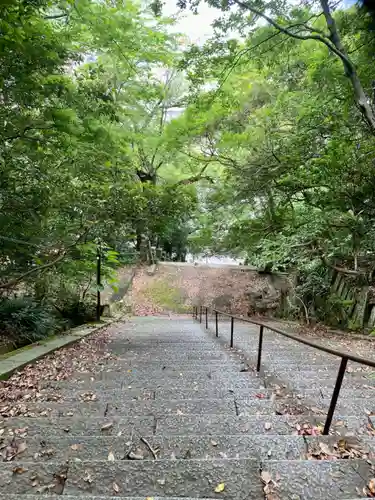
(270, 156)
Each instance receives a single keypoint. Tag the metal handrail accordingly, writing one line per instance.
(345, 357)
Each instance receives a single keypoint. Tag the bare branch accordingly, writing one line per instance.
(286, 31)
(333, 43)
(57, 16)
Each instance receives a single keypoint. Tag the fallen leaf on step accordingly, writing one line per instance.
(14, 449)
(267, 426)
(111, 457)
(76, 447)
(116, 488)
(371, 486)
(107, 426)
(325, 448)
(19, 470)
(87, 477)
(220, 488)
(21, 447)
(135, 456)
(266, 477)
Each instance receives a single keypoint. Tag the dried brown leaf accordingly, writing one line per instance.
(19, 470)
(371, 485)
(325, 449)
(107, 426)
(266, 477)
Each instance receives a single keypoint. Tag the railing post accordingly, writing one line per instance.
(216, 325)
(200, 314)
(231, 330)
(335, 395)
(260, 347)
(206, 318)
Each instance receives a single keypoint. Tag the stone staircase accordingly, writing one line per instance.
(177, 414)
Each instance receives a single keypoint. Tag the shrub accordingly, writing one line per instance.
(23, 320)
(76, 311)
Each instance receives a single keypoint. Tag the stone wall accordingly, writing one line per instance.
(361, 300)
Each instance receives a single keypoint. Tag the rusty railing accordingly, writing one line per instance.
(345, 357)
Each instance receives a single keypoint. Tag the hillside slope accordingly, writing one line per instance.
(175, 287)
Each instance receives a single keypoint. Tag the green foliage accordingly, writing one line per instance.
(23, 320)
(168, 298)
(283, 124)
(83, 160)
(270, 160)
(75, 311)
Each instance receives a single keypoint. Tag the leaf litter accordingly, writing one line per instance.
(35, 383)
(344, 448)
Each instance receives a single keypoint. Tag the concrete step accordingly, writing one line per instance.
(167, 478)
(244, 424)
(290, 405)
(234, 365)
(74, 395)
(251, 392)
(354, 406)
(169, 371)
(126, 394)
(349, 393)
(245, 381)
(84, 448)
(179, 356)
(162, 375)
(326, 384)
(83, 426)
(90, 497)
(118, 407)
(162, 407)
(148, 379)
(292, 374)
(319, 479)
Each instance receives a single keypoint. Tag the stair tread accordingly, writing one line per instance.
(42, 448)
(170, 478)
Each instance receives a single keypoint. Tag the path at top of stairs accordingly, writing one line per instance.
(168, 412)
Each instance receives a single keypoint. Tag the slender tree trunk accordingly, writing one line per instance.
(361, 98)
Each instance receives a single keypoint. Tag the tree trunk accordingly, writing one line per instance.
(361, 98)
